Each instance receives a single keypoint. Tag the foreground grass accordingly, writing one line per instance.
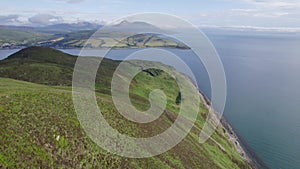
(39, 128)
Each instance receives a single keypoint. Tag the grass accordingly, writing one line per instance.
(21, 36)
(103, 39)
(39, 127)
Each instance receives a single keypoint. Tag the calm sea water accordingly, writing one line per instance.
(263, 101)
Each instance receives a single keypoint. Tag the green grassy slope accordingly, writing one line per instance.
(39, 128)
(107, 39)
(52, 68)
(21, 36)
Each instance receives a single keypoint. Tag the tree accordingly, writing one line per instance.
(178, 98)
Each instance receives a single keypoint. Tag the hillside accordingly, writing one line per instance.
(39, 127)
(76, 35)
(9, 37)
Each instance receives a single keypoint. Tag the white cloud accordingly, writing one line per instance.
(254, 28)
(275, 4)
(259, 13)
(256, 13)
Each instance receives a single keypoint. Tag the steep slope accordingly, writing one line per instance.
(18, 37)
(39, 127)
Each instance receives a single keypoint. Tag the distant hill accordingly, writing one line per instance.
(75, 35)
(14, 38)
(11, 27)
(39, 127)
(42, 65)
(68, 27)
(55, 28)
(126, 26)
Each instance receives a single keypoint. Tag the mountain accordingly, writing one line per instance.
(69, 27)
(12, 27)
(56, 28)
(126, 26)
(39, 126)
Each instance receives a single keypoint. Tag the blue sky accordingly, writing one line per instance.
(249, 13)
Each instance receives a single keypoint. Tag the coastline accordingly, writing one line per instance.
(242, 147)
(255, 161)
(99, 48)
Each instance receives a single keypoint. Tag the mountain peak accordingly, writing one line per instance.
(136, 26)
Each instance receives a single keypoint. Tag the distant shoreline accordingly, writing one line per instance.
(255, 161)
(241, 145)
(102, 48)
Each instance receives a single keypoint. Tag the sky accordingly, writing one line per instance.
(224, 13)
